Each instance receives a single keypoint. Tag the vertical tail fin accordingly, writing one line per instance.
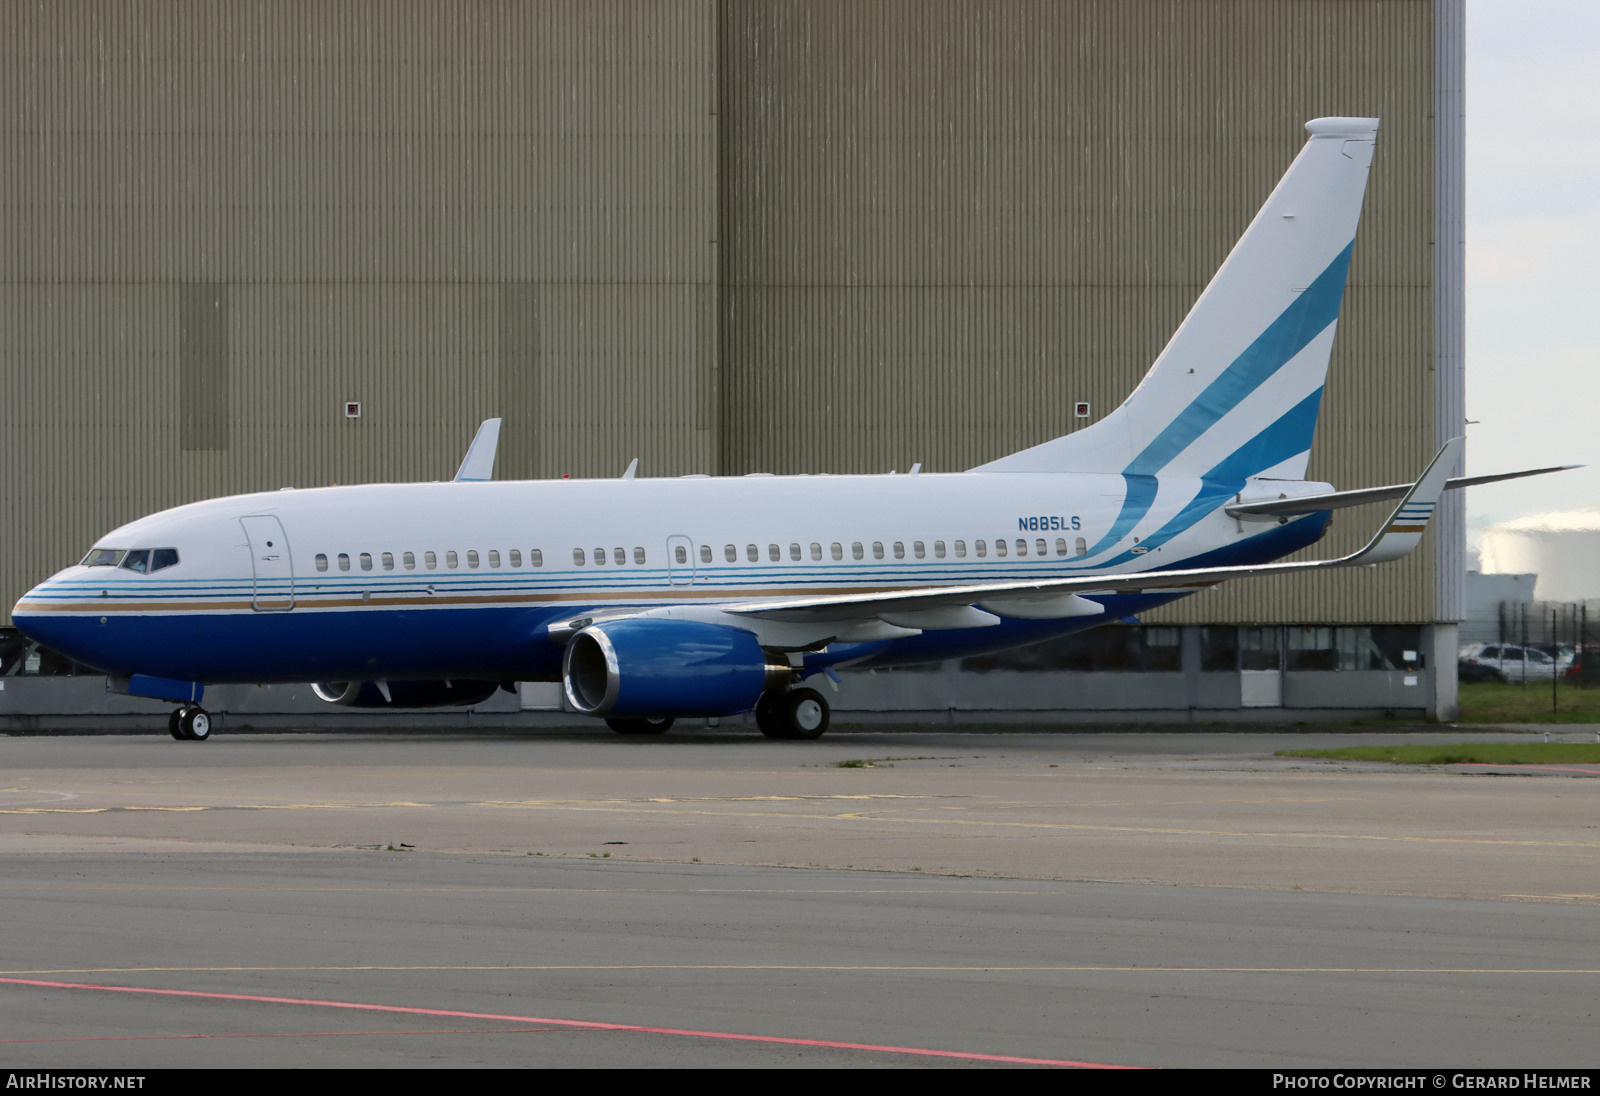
(1236, 391)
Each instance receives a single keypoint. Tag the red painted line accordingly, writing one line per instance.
(585, 1025)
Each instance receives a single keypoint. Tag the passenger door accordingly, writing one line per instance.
(272, 571)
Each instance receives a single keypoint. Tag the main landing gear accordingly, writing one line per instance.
(190, 723)
(799, 713)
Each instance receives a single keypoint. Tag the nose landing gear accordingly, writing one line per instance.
(190, 723)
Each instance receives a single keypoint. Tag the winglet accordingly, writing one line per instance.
(478, 465)
(1405, 526)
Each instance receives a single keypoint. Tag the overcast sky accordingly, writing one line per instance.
(1533, 253)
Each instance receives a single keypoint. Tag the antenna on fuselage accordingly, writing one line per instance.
(478, 465)
(633, 468)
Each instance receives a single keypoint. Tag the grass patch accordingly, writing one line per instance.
(1493, 702)
(1457, 753)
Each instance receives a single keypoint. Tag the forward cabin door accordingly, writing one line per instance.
(269, 559)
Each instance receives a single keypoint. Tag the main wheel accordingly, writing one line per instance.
(641, 726)
(768, 719)
(802, 713)
(195, 723)
(806, 712)
(175, 725)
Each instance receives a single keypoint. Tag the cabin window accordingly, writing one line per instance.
(1000, 548)
(752, 553)
(536, 557)
(451, 560)
(980, 548)
(705, 553)
(938, 549)
(918, 550)
(578, 558)
(794, 552)
(322, 561)
(409, 561)
(857, 551)
(388, 561)
(1061, 546)
(472, 558)
(680, 553)
(1082, 546)
(638, 556)
(1040, 548)
(836, 550)
(774, 553)
(366, 561)
(494, 557)
(599, 557)
(730, 553)
(430, 560)
(899, 549)
(877, 549)
(344, 561)
(816, 550)
(102, 557)
(514, 557)
(619, 556)
(961, 549)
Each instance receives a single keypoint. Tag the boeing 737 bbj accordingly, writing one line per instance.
(655, 599)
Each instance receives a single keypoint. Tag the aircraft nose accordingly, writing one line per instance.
(44, 616)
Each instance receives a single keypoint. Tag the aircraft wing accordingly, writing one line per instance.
(971, 605)
(1063, 597)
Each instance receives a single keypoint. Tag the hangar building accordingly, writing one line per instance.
(723, 236)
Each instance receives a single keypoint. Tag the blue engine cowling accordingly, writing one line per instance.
(405, 694)
(657, 667)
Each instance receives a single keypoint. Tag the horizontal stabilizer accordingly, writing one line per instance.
(1338, 500)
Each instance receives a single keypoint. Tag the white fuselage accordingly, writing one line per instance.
(390, 572)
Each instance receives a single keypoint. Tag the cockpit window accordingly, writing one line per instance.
(140, 560)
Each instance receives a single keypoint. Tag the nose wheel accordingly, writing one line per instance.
(190, 723)
(799, 713)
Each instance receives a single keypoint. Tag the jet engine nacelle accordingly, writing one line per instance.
(661, 667)
(404, 694)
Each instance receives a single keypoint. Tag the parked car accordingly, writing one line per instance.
(1508, 662)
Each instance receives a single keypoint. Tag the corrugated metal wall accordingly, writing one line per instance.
(444, 210)
(817, 235)
(947, 222)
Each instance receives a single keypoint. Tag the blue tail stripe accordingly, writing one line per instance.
(1290, 333)
(1301, 322)
(1291, 434)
